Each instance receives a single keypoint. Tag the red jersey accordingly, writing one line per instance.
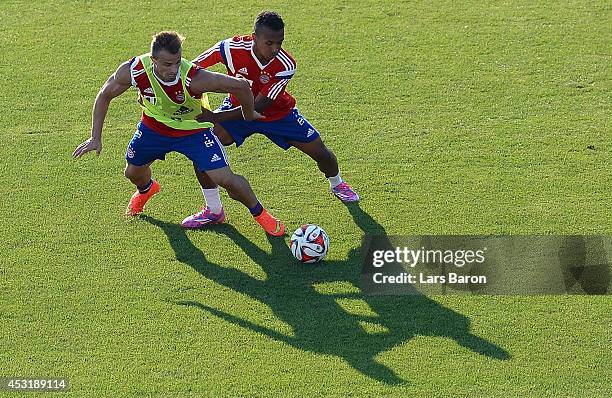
(270, 80)
(173, 89)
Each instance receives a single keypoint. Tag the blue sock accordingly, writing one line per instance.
(257, 210)
(145, 188)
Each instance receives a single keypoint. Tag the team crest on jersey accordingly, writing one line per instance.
(180, 96)
(264, 78)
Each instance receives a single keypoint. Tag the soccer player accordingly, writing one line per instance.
(170, 92)
(261, 60)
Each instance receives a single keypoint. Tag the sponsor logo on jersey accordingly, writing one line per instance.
(215, 158)
(182, 111)
(243, 70)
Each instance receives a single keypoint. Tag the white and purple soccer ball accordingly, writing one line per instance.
(309, 243)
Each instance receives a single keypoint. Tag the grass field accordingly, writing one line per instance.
(447, 117)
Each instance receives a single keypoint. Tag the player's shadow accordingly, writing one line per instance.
(319, 322)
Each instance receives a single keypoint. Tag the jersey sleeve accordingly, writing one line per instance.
(195, 68)
(138, 76)
(134, 62)
(277, 84)
(210, 57)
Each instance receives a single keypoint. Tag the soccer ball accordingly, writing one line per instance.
(309, 243)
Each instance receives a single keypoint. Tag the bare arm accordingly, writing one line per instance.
(206, 81)
(261, 104)
(116, 85)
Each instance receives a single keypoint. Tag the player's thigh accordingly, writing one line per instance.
(295, 130)
(146, 146)
(236, 131)
(204, 149)
(223, 135)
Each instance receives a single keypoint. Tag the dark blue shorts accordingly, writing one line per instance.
(204, 149)
(293, 127)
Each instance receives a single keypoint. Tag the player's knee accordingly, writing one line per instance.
(129, 173)
(235, 183)
(227, 183)
(224, 179)
(135, 173)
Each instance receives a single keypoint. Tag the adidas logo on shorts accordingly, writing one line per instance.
(215, 158)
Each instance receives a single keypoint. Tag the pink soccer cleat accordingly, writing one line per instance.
(203, 218)
(345, 193)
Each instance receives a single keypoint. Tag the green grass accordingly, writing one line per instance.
(448, 118)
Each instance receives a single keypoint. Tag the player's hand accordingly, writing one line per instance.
(206, 116)
(87, 146)
(256, 115)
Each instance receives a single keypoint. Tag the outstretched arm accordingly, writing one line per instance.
(116, 85)
(261, 103)
(206, 81)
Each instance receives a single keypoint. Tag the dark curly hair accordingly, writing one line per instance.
(269, 19)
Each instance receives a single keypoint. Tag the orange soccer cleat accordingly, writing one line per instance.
(138, 200)
(270, 224)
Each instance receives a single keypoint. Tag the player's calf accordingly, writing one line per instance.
(328, 164)
(146, 187)
(238, 188)
(205, 181)
(138, 175)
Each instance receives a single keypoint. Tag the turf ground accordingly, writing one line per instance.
(448, 118)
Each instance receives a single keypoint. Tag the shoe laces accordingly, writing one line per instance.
(343, 187)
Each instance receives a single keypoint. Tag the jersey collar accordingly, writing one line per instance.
(262, 67)
(172, 83)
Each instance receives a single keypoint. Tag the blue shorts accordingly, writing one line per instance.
(293, 127)
(203, 148)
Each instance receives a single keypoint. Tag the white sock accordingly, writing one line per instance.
(335, 181)
(213, 199)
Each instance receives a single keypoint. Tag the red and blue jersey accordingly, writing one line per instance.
(270, 80)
